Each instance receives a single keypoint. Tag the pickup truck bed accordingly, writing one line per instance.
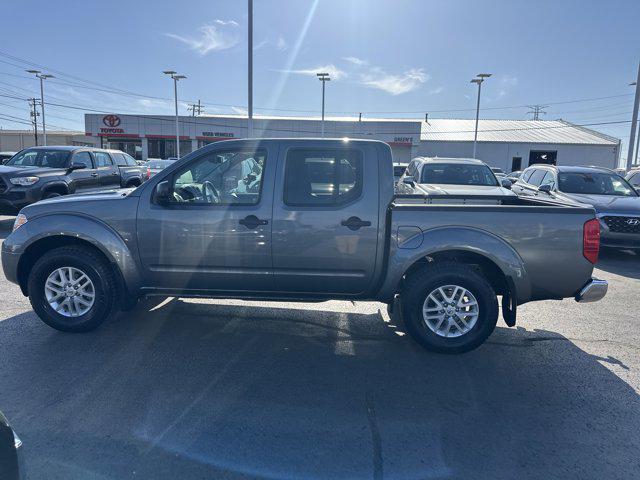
(304, 219)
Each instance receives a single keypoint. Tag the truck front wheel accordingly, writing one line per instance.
(449, 308)
(72, 289)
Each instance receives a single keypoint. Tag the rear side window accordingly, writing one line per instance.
(635, 179)
(120, 160)
(549, 179)
(102, 159)
(130, 160)
(537, 177)
(83, 158)
(322, 177)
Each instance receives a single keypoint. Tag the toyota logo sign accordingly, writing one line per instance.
(111, 120)
(633, 222)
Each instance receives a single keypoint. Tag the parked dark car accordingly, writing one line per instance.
(616, 202)
(37, 173)
(11, 458)
(301, 219)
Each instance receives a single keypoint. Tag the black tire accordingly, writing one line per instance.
(90, 262)
(422, 283)
(51, 195)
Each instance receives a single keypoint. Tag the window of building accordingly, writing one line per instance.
(516, 164)
(232, 177)
(322, 177)
(164, 148)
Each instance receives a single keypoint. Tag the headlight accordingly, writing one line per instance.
(24, 181)
(20, 220)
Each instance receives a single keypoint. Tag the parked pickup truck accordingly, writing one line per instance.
(301, 219)
(45, 172)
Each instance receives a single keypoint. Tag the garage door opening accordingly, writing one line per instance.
(541, 156)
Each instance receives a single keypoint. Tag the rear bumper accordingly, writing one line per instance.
(593, 291)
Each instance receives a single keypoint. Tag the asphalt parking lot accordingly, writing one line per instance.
(225, 389)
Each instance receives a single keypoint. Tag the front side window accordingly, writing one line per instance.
(84, 158)
(221, 178)
(537, 177)
(40, 158)
(549, 179)
(322, 177)
(595, 183)
(457, 174)
(635, 179)
(102, 159)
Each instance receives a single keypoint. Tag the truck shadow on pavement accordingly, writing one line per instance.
(198, 390)
(620, 262)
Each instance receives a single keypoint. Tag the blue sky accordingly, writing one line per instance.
(388, 58)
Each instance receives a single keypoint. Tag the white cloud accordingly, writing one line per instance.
(240, 111)
(334, 72)
(281, 44)
(436, 91)
(395, 84)
(509, 81)
(261, 44)
(212, 37)
(356, 61)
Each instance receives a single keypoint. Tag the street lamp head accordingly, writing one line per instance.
(178, 77)
(46, 75)
(477, 80)
(33, 71)
(633, 84)
(322, 74)
(483, 75)
(169, 72)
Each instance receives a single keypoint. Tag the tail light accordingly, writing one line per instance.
(591, 240)
(148, 173)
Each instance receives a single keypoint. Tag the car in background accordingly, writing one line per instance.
(616, 202)
(155, 165)
(5, 156)
(37, 173)
(398, 170)
(633, 177)
(11, 458)
(513, 176)
(452, 176)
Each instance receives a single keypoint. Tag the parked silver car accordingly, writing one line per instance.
(616, 202)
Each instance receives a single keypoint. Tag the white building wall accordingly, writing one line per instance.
(501, 154)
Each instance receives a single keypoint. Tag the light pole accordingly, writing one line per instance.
(634, 125)
(176, 77)
(42, 77)
(250, 69)
(323, 77)
(481, 77)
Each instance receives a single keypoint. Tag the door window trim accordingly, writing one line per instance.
(93, 160)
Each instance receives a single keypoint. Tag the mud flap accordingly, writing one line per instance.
(509, 306)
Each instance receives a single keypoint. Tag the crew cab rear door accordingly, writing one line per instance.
(325, 218)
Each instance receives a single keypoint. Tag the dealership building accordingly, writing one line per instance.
(507, 144)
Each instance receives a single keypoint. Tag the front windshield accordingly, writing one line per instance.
(40, 158)
(458, 174)
(595, 183)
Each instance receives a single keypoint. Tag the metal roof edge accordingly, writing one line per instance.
(604, 136)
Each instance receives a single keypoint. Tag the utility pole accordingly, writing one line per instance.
(34, 118)
(536, 110)
(175, 78)
(42, 77)
(634, 121)
(250, 68)
(323, 77)
(195, 108)
(480, 78)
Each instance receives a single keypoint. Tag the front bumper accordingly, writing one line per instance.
(593, 291)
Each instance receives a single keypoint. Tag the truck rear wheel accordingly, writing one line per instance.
(449, 308)
(72, 289)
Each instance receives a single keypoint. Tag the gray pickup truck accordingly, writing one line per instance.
(301, 219)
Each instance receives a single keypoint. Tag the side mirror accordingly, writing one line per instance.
(546, 188)
(408, 181)
(506, 183)
(162, 193)
(76, 166)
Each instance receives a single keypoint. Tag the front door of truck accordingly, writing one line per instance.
(325, 224)
(214, 232)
